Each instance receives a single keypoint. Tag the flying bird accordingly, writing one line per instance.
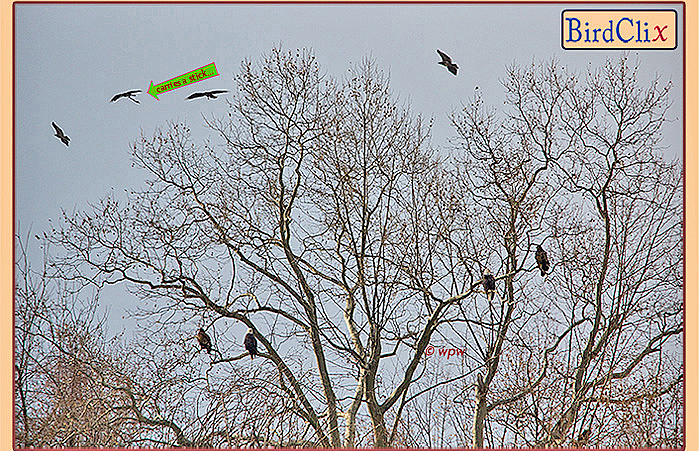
(60, 135)
(488, 284)
(208, 94)
(542, 260)
(204, 340)
(250, 343)
(446, 62)
(127, 94)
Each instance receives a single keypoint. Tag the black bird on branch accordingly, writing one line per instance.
(60, 135)
(542, 260)
(489, 284)
(204, 340)
(207, 94)
(250, 343)
(127, 94)
(446, 62)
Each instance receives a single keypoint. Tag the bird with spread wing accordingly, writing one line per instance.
(60, 135)
(127, 94)
(446, 62)
(207, 94)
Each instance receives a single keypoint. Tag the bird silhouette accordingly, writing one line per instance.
(489, 284)
(207, 94)
(446, 62)
(542, 260)
(127, 94)
(60, 135)
(250, 343)
(204, 340)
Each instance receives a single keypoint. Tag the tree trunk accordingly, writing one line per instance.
(481, 411)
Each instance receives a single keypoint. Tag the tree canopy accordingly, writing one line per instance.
(325, 219)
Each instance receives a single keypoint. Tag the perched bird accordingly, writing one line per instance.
(446, 62)
(208, 94)
(127, 95)
(250, 343)
(542, 260)
(488, 284)
(60, 135)
(204, 340)
(615, 322)
(583, 438)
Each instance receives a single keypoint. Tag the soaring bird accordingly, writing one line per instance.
(488, 284)
(126, 94)
(204, 340)
(250, 343)
(208, 94)
(542, 260)
(60, 135)
(446, 62)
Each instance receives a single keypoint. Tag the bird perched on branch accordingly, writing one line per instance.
(60, 135)
(542, 260)
(583, 438)
(489, 284)
(204, 340)
(250, 343)
(207, 94)
(127, 94)
(446, 62)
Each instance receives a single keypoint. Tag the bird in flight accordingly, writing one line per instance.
(208, 94)
(542, 260)
(250, 343)
(126, 94)
(446, 62)
(204, 340)
(60, 135)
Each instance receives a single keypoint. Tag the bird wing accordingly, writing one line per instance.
(133, 91)
(116, 97)
(58, 129)
(196, 94)
(445, 57)
(217, 92)
(453, 68)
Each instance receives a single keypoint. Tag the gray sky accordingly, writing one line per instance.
(71, 59)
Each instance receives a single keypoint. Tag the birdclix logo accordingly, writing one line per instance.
(618, 29)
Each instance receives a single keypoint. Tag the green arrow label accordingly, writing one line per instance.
(189, 78)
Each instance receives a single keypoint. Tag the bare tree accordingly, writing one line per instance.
(576, 165)
(326, 222)
(77, 388)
